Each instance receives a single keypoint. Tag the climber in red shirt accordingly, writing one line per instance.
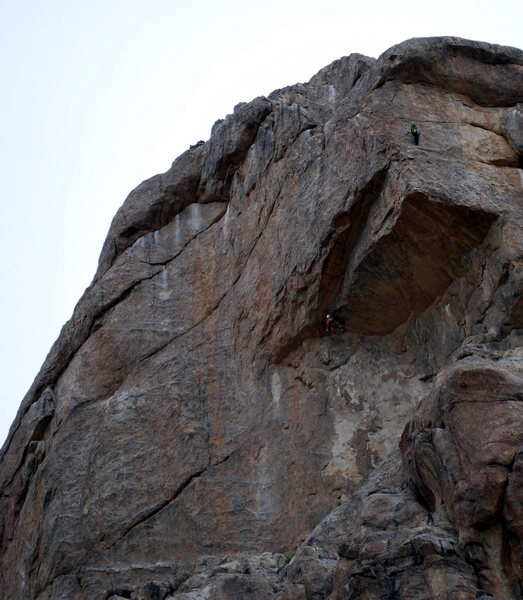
(332, 325)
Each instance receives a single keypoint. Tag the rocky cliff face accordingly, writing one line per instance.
(195, 424)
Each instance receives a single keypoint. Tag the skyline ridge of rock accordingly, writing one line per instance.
(195, 421)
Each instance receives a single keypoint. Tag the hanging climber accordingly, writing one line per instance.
(414, 130)
(332, 325)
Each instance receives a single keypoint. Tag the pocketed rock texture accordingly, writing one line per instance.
(195, 422)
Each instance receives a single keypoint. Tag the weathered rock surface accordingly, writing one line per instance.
(464, 450)
(194, 421)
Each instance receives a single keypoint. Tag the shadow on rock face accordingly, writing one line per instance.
(412, 265)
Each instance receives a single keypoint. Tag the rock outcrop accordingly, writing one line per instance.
(195, 422)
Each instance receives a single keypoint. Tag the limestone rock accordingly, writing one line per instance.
(195, 413)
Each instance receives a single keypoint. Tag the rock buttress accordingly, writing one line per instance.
(194, 409)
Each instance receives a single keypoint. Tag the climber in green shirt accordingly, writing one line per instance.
(414, 129)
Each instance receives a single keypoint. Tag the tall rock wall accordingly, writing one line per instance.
(195, 420)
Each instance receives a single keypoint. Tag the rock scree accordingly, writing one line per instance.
(196, 433)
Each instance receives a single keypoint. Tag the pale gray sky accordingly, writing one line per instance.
(98, 95)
